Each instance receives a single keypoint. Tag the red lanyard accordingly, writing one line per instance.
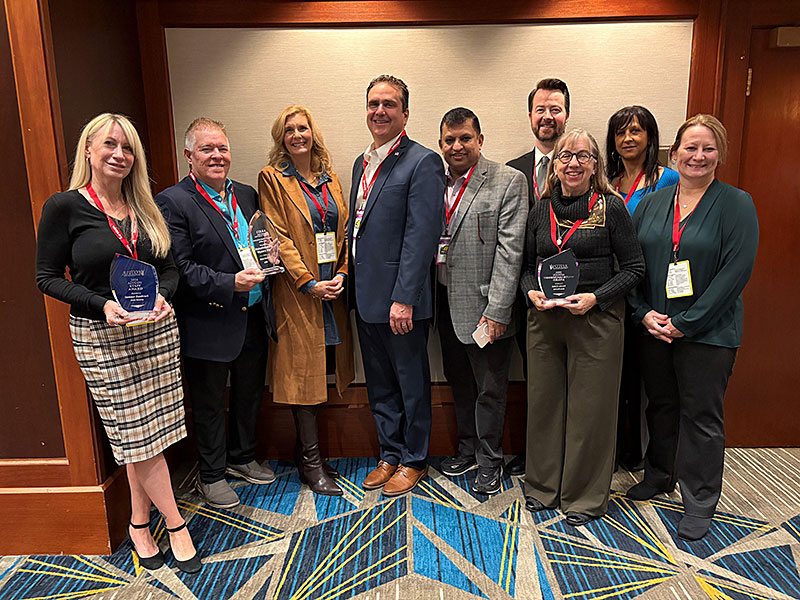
(205, 195)
(633, 189)
(559, 242)
(131, 248)
(449, 212)
(677, 232)
(366, 187)
(322, 213)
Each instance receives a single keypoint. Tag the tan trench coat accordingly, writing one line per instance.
(297, 361)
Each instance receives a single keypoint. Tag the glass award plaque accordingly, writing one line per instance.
(264, 243)
(135, 287)
(558, 275)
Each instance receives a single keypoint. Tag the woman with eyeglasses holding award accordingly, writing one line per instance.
(303, 196)
(129, 357)
(633, 171)
(582, 258)
(699, 240)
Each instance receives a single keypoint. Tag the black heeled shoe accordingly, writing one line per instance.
(151, 563)
(190, 565)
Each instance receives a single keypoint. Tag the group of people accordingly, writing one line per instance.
(418, 243)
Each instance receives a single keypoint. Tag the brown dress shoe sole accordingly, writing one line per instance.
(393, 493)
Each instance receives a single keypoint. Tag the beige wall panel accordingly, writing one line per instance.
(245, 77)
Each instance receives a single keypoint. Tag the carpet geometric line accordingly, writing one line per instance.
(660, 549)
(341, 566)
(351, 487)
(330, 558)
(709, 587)
(481, 580)
(231, 521)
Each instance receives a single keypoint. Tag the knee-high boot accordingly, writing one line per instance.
(309, 465)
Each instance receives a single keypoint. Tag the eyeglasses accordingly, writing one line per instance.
(565, 156)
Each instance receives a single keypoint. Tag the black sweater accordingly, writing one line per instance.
(74, 234)
(605, 245)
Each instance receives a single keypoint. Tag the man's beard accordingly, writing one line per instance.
(557, 131)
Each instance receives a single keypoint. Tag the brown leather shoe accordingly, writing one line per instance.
(404, 480)
(379, 476)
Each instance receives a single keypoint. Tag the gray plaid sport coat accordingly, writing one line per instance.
(485, 254)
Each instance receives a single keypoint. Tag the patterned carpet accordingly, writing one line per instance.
(443, 541)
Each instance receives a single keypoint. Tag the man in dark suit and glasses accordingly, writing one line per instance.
(396, 217)
(548, 111)
(224, 310)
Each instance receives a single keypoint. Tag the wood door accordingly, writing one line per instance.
(762, 407)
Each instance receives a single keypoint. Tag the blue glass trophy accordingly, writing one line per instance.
(135, 287)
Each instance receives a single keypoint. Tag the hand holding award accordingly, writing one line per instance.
(135, 287)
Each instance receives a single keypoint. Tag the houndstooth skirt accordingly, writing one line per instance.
(134, 376)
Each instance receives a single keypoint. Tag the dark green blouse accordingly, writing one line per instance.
(719, 241)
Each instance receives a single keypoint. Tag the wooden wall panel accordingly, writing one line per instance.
(40, 142)
(30, 427)
(85, 33)
(64, 520)
(251, 13)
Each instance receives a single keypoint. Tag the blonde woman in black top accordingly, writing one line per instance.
(133, 373)
(575, 345)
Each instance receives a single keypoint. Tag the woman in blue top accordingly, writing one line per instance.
(633, 170)
(632, 155)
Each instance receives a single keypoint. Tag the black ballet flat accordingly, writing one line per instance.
(151, 563)
(577, 519)
(533, 505)
(190, 565)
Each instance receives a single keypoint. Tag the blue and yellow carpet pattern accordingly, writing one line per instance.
(444, 541)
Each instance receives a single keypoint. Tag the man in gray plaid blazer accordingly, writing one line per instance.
(478, 266)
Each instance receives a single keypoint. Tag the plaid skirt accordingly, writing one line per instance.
(134, 376)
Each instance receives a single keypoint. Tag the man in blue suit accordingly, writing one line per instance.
(396, 218)
(224, 311)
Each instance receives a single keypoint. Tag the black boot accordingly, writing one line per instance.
(310, 466)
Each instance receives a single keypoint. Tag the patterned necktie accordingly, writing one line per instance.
(541, 173)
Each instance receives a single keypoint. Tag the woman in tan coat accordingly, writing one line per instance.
(303, 197)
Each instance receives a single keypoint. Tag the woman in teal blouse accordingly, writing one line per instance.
(699, 240)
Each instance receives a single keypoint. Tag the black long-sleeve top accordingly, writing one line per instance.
(74, 234)
(606, 246)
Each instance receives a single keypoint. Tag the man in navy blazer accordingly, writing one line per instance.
(224, 310)
(396, 217)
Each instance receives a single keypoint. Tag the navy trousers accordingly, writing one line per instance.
(399, 389)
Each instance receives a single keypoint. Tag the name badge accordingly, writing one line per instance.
(679, 280)
(441, 250)
(326, 247)
(357, 225)
(248, 260)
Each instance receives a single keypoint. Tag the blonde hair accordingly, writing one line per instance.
(599, 181)
(135, 187)
(714, 125)
(279, 156)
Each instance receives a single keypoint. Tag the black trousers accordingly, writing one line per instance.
(398, 379)
(206, 380)
(632, 399)
(479, 380)
(685, 384)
